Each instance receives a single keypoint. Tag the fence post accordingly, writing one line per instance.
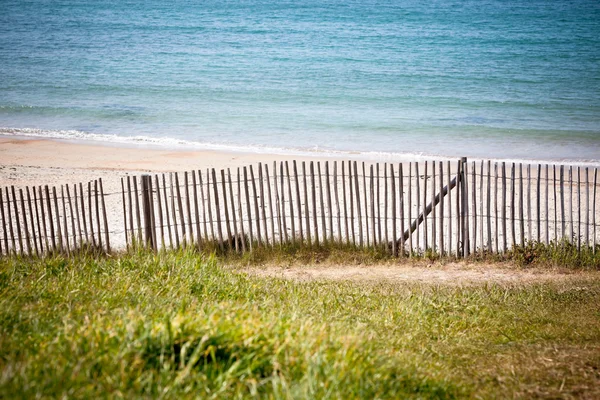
(463, 207)
(146, 201)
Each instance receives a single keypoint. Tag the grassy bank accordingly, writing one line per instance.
(183, 324)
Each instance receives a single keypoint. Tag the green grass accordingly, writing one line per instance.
(183, 324)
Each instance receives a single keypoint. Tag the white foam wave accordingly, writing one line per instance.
(182, 144)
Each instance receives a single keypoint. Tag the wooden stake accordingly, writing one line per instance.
(10, 224)
(33, 235)
(481, 216)
(410, 232)
(106, 232)
(364, 192)
(529, 219)
(248, 208)
(237, 238)
(174, 213)
(442, 208)
(314, 203)
(209, 207)
(357, 191)
(329, 203)
(43, 220)
(547, 209)
(160, 210)
(184, 241)
(337, 200)
(124, 213)
(372, 195)
(285, 236)
(521, 208)
(401, 193)
(449, 210)
(18, 223)
(270, 205)
(168, 217)
(37, 217)
(217, 209)
(378, 206)
(571, 204)
(277, 205)
(186, 182)
(346, 230)
(350, 194)
(489, 207)
(224, 189)
(4, 230)
(425, 228)
(474, 200)
(562, 201)
(504, 238)
(433, 213)
(97, 204)
(512, 205)
(292, 223)
(306, 210)
(61, 245)
(66, 226)
(578, 209)
(459, 227)
(241, 212)
(538, 204)
(418, 201)
(70, 213)
(393, 191)
(555, 204)
(196, 208)
(587, 206)
(262, 202)
(322, 204)
(25, 225)
(255, 195)
(385, 201)
(132, 231)
(203, 202)
(594, 209)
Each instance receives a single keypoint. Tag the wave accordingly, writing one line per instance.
(182, 144)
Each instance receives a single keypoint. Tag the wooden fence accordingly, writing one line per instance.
(42, 220)
(447, 207)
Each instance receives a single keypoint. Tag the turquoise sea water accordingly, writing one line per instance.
(388, 79)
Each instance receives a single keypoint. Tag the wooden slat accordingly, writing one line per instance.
(337, 200)
(277, 205)
(555, 204)
(346, 229)
(529, 219)
(572, 227)
(306, 208)
(37, 217)
(173, 211)
(65, 225)
(401, 205)
(167, 214)
(291, 201)
(372, 199)
(248, 208)
(547, 241)
(465, 219)
(203, 202)
(131, 231)
(474, 205)
(425, 227)
(538, 203)
(26, 234)
(410, 231)
(10, 224)
(71, 214)
(365, 193)
(481, 202)
(184, 240)
(393, 192)
(441, 216)
(298, 204)
(418, 202)
(448, 172)
(197, 208)
(314, 203)
(357, 191)
(160, 211)
(209, 207)
(61, 245)
(578, 209)
(284, 231)
(106, 232)
(17, 221)
(562, 202)
(152, 226)
(44, 217)
(217, 208)
(351, 196)
(124, 212)
(433, 211)
(504, 238)
(32, 218)
(256, 207)
(594, 209)
(489, 206)
(97, 204)
(322, 204)
(459, 252)
(587, 206)
(262, 202)
(378, 204)
(521, 206)
(230, 240)
(188, 206)
(269, 196)
(4, 228)
(236, 238)
(512, 205)
(497, 238)
(329, 202)
(138, 217)
(385, 206)
(241, 212)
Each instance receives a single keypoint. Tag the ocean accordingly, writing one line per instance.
(385, 80)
